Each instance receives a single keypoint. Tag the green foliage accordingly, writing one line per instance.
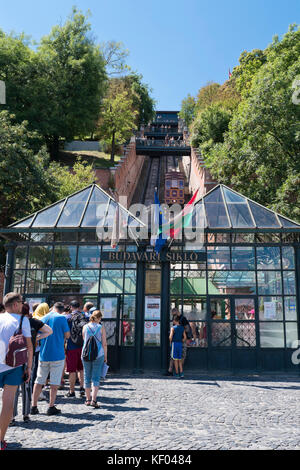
(24, 184)
(210, 125)
(117, 119)
(261, 150)
(188, 108)
(58, 87)
(65, 182)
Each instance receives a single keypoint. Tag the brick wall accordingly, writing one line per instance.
(103, 177)
(200, 176)
(128, 172)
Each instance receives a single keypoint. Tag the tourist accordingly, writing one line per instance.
(12, 377)
(185, 323)
(39, 312)
(52, 358)
(93, 369)
(76, 321)
(86, 309)
(38, 331)
(177, 337)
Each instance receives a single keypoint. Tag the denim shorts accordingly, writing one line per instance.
(12, 377)
(92, 372)
(54, 368)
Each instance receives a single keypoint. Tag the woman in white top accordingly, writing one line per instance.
(93, 369)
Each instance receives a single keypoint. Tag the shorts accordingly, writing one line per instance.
(73, 360)
(54, 368)
(13, 377)
(176, 351)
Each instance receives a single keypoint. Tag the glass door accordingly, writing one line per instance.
(232, 332)
(110, 308)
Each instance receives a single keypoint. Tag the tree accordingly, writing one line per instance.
(65, 182)
(210, 125)
(115, 57)
(188, 108)
(73, 81)
(117, 120)
(57, 88)
(207, 95)
(24, 184)
(260, 155)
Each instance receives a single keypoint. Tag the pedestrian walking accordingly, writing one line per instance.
(177, 337)
(38, 331)
(94, 335)
(11, 322)
(76, 321)
(52, 358)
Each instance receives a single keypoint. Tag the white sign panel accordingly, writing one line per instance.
(270, 310)
(2, 92)
(152, 307)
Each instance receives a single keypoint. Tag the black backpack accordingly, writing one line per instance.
(90, 351)
(78, 321)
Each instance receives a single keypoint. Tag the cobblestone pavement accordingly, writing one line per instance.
(163, 413)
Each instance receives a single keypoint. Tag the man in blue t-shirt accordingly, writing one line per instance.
(52, 358)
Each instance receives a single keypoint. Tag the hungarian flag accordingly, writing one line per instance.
(158, 240)
(119, 228)
(182, 220)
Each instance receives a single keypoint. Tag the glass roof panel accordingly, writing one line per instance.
(215, 210)
(240, 215)
(48, 217)
(96, 209)
(73, 210)
(287, 223)
(26, 223)
(263, 217)
(214, 196)
(231, 196)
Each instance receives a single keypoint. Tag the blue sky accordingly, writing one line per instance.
(177, 45)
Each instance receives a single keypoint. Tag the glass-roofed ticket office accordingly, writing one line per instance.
(237, 281)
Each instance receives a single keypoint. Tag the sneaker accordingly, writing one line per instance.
(70, 394)
(176, 375)
(82, 392)
(3, 445)
(181, 375)
(52, 410)
(34, 410)
(26, 419)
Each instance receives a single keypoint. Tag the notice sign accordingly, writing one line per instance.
(32, 301)
(152, 307)
(153, 281)
(270, 310)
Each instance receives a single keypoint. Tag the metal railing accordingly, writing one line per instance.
(161, 143)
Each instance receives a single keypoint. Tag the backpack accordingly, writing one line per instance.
(188, 330)
(17, 348)
(78, 321)
(90, 351)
